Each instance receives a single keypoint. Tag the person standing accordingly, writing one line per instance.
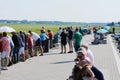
(0, 51)
(5, 51)
(63, 41)
(77, 39)
(17, 45)
(22, 49)
(11, 51)
(38, 43)
(51, 36)
(30, 45)
(70, 39)
(44, 39)
(26, 45)
(113, 30)
(59, 31)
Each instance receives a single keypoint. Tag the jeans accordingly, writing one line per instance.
(16, 54)
(98, 73)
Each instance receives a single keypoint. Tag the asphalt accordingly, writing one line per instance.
(56, 66)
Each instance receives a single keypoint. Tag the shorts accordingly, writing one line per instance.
(70, 42)
(5, 54)
(38, 42)
(21, 51)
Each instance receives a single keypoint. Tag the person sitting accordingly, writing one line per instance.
(79, 73)
(96, 39)
(85, 65)
(98, 74)
(82, 67)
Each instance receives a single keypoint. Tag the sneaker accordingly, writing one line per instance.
(61, 52)
(69, 52)
(41, 55)
(4, 68)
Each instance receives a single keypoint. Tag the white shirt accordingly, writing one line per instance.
(59, 32)
(35, 36)
(90, 55)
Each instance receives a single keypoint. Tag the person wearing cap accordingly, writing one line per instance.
(88, 54)
(85, 64)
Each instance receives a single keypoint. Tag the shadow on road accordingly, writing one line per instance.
(63, 62)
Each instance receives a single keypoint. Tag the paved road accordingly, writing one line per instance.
(55, 66)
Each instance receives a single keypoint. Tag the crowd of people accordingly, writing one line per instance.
(98, 37)
(21, 46)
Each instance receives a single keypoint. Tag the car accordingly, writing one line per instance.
(116, 36)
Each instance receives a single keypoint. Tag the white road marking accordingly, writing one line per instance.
(115, 54)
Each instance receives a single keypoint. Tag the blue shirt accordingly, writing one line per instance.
(43, 36)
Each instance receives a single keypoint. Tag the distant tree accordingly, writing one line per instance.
(24, 21)
(119, 22)
(111, 24)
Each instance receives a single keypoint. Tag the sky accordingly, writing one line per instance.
(61, 10)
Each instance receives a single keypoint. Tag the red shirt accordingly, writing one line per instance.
(30, 41)
(50, 34)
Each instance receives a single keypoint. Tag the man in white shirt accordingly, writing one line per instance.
(38, 43)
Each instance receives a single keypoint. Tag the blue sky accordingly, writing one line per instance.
(61, 10)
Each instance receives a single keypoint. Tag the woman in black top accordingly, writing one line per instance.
(63, 40)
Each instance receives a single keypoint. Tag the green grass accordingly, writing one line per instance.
(117, 29)
(33, 27)
(37, 27)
